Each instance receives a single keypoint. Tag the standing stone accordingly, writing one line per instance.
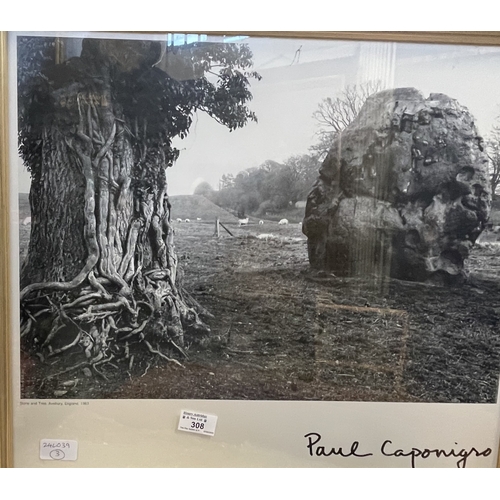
(404, 191)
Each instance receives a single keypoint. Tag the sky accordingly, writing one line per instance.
(298, 73)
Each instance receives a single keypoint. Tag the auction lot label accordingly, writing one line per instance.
(199, 423)
(58, 449)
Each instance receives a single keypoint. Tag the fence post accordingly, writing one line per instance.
(217, 229)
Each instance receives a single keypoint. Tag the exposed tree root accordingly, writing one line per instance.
(103, 329)
(126, 292)
(146, 370)
(82, 364)
(163, 356)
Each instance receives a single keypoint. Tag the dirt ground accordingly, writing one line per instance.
(283, 332)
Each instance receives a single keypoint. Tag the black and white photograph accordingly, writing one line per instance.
(258, 218)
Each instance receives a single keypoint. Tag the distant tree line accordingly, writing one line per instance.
(270, 188)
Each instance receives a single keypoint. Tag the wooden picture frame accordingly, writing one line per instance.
(240, 445)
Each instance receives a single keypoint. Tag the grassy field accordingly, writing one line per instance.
(283, 332)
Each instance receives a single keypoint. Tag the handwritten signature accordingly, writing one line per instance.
(387, 449)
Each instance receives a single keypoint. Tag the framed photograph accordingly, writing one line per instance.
(250, 249)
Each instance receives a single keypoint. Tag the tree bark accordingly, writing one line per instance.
(101, 271)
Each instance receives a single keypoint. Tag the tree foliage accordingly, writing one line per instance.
(335, 114)
(155, 107)
(204, 189)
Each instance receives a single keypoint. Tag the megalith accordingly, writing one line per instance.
(404, 191)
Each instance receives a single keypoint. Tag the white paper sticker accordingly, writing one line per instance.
(58, 449)
(200, 423)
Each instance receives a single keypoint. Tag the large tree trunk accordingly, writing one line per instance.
(101, 275)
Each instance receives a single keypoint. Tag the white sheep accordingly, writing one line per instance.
(27, 221)
(179, 220)
(242, 222)
(261, 222)
(187, 220)
(283, 222)
(265, 236)
(198, 219)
